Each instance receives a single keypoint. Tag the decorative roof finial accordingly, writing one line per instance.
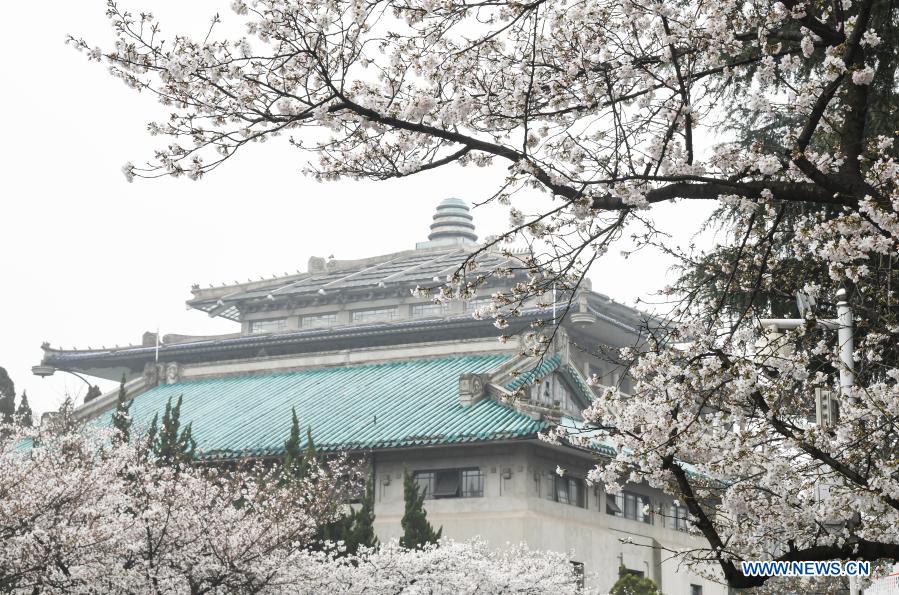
(452, 225)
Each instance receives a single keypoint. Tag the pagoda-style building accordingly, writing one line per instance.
(375, 370)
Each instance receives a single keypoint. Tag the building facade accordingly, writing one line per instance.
(410, 383)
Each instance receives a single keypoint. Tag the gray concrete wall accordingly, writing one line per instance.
(511, 510)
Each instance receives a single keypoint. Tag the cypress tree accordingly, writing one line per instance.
(170, 446)
(362, 531)
(309, 454)
(417, 531)
(7, 397)
(24, 413)
(293, 456)
(121, 420)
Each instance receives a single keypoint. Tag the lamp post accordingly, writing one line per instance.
(43, 371)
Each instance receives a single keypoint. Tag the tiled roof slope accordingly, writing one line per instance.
(406, 403)
(405, 269)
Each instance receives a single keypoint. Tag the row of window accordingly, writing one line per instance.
(469, 483)
(327, 319)
(628, 505)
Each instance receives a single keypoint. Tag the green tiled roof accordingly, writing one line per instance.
(406, 403)
(546, 365)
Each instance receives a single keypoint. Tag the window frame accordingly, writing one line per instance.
(384, 314)
(632, 506)
(462, 473)
(679, 518)
(331, 316)
(569, 486)
(281, 325)
(429, 310)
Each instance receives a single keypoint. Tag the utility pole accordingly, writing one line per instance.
(843, 324)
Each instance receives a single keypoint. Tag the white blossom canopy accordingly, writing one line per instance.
(783, 112)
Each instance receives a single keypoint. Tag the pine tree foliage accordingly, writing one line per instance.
(171, 445)
(7, 397)
(24, 415)
(92, 393)
(362, 531)
(354, 529)
(631, 584)
(294, 466)
(121, 419)
(417, 531)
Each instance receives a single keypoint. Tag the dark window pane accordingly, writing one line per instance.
(447, 484)
(561, 490)
(643, 509)
(630, 506)
(472, 483)
(612, 506)
(425, 482)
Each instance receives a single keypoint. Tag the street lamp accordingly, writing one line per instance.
(44, 371)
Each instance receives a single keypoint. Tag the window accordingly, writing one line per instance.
(450, 483)
(429, 309)
(551, 392)
(578, 573)
(472, 305)
(677, 517)
(472, 483)
(695, 589)
(272, 325)
(375, 315)
(569, 490)
(319, 320)
(636, 573)
(635, 507)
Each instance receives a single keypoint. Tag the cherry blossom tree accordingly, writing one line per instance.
(82, 513)
(784, 113)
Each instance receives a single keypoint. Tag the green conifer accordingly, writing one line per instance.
(170, 446)
(24, 413)
(362, 530)
(417, 531)
(631, 584)
(293, 457)
(7, 397)
(121, 420)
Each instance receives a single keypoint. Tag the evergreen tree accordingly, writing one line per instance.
(92, 393)
(362, 530)
(24, 412)
(7, 397)
(631, 584)
(293, 457)
(354, 529)
(121, 420)
(170, 446)
(417, 531)
(310, 455)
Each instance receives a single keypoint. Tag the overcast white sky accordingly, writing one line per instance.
(88, 259)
